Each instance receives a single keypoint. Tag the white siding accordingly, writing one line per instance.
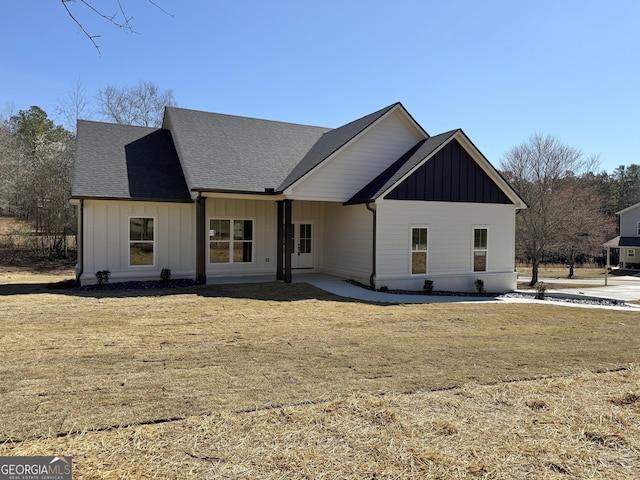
(264, 216)
(629, 223)
(348, 241)
(450, 244)
(345, 174)
(106, 239)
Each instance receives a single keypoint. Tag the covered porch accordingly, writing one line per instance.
(629, 248)
(280, 237)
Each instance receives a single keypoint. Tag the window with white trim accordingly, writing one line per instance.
(419, 250)
(141, 241)
(480, 239)
(230, 240)
(631, 252)
(638, 228)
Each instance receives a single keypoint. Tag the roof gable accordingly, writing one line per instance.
(330, 143)
(126, 162)
(445, 167)
(450, 175)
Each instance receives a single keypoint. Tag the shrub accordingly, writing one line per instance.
(103, 276)
(165, 275)
(541, 289)
(428, 286)
(480, 285)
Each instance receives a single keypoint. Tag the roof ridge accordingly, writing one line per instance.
(230, 115)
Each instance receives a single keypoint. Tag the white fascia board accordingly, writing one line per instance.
(480, 160)
(490, 170)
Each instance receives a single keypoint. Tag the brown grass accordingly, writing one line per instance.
(286, 381)
(21, 257)
(560, 271)
(583, 426)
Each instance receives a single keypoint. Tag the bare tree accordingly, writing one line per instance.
(119, 18)
(75, 106)
(586, 224)
(141, 104)
(561, 214)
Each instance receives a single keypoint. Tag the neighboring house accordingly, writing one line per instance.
(629, 240)
(377, 200)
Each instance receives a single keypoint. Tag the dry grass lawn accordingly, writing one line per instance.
(560, 271)
(286, 381)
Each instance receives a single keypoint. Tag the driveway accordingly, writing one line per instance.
(626, 288)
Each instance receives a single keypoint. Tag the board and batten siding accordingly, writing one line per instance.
(263, 214)
(342, 176)
(348, 244)
(106, 239)
(450, 244)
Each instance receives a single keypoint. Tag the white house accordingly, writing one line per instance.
(629, 240)
(377, 200)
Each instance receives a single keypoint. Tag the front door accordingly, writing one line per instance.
(302, 256)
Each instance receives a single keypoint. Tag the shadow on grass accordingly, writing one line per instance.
(268, 291)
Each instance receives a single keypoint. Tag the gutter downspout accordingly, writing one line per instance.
(80, 242)
(372, 278)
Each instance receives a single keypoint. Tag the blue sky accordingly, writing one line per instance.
(501, 70)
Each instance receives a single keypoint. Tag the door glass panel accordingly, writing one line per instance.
(304, 244)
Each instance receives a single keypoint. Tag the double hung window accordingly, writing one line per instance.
(419, 251)
(230, 241)
(480, 239)
(141, 241)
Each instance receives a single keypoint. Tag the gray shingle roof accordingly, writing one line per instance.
(202, 151)
(229, 153)
(400, 168)
(126, 162)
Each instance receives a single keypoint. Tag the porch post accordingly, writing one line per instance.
(201, 244)
(606, 268)
(288, 240)
(280, 241)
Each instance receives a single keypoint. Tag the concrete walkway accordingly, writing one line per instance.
(624, 290)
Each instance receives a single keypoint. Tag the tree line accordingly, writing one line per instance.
(37, 155)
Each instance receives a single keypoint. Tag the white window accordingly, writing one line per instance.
(631, 252)
(419, 244)
(141, 241)
(230, 241)
(638, 228)
(480, 242)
